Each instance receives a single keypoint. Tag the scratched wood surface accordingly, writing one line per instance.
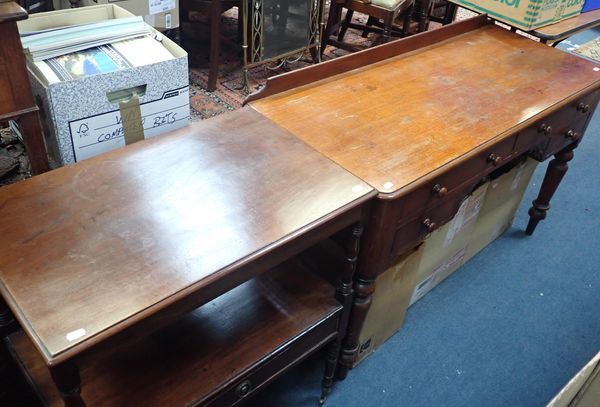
(395, 121)
(88, 246)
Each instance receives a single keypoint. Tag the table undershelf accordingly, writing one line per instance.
(251, 333)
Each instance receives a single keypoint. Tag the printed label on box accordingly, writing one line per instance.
(104, 132)
(160, 6)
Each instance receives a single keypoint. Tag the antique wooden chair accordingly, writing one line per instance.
(214, 9)
(382, 16)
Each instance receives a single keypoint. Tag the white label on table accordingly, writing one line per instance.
(71, 336)
(102, 133)
(160, 6)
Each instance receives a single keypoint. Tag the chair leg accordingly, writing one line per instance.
(344, 26)
(333, 21)
(215, 42)
(406, 21)
(370, 21)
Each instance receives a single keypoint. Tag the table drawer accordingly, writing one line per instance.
(241, 390)
(548, 133)
(435, 193)
(409, 234)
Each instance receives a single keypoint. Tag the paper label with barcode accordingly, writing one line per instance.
(104, 132)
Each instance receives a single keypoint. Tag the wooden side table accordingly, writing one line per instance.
(16, 99)
(169, 272)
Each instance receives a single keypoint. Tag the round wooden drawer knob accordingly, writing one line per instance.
(243, 389)
(572, 135)
(545, 128)
(583, 107)
(440, 190)
(430, 225)
(494, 159)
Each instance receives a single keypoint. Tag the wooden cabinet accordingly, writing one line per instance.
(16, 99)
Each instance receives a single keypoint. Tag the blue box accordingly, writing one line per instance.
(590, 5)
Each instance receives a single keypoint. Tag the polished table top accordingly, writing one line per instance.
(89, 249)
(393, 122)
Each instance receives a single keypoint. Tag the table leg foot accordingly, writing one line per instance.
(556, 170)
(66, 378)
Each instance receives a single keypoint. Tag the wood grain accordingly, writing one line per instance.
(108, 242)
(394, 122)
(205, 352)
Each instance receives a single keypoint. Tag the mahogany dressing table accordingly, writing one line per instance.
(168, 272)
(424, 119)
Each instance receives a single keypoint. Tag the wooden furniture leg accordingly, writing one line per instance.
(343, 294)
(345, 24)
(423, 15)
(554, 174)
(333, 20)
(66, 378)
(34, 142)
(215, 42)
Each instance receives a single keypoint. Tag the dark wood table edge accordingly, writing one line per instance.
(311, 74)
(11, 11)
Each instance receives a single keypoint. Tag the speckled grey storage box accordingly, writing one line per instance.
(80, 121)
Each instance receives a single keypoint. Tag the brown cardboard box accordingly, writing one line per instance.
(445, 249)
(441, 254)
(390, 301)
(525, 14)
(500, 205)
(160, 14)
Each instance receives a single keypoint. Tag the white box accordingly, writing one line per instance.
(160, 14)
(79, 119)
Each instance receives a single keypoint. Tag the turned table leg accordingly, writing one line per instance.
(66, 378)
(376, 243)
(554, 174)
(343, 294)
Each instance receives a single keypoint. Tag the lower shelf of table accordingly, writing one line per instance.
(219, 354)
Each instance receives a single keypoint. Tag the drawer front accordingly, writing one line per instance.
(550, 134)
(408, 234)
(435, 193)
(242, 389)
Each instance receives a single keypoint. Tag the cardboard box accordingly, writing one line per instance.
(583, 390)
(444, 251)
(389, 303)
(82, 120)
(160, 14)
(590, 5)
(525, 14)
(503, 198)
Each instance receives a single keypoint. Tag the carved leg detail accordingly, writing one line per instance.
(330, 365)
(554, 174)
(66, 378)
(343, 294)
(363, 290)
